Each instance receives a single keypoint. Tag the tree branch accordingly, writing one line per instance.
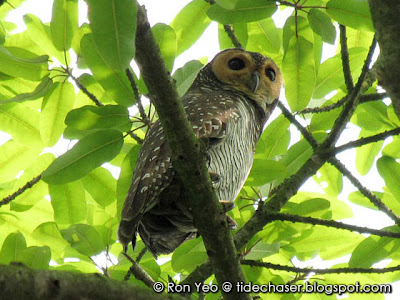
(385, 16)
(231, 33)
(367, 193)
(188, 159)
(345, 59)
(331, 223)
(367, 140)
(255, 263)
(28, 185)
(20, 282)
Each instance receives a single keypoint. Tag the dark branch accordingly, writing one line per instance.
(188, 159)
(367, 140)
(137, 97)
(28, 185)
(139, 272)
(255, 263)
(345, 59)
(231, 33)
(350, 105)
(331, 223)
(307, 135)
(367, 193)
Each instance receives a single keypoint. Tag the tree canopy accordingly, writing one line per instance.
(87, 87)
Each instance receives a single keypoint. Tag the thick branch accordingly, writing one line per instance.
(188, 159)
(28, 185)
(345, 59)
(385, 16)
(20, 282)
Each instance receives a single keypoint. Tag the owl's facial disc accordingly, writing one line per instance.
(251, 73)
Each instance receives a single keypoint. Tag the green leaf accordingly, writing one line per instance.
(91, 117)
(332, 177)
(2, 34)
(113, 24)
(13, 245)
(89, 153)
(389, 169)
(114, 82)
(185, 76)
(296, 27)
(189, 255)
(64, 23)
(36, 257)
(264, 171)
(360, 199)
(13, 158)
(263, 37)
(308, 207)
(55, 106)
(392, 149)
(330, 73)
(190, 23)
(371, 250)
(69, 203)
(275, 139)
(298, 70)
(322, 25)
(84, 238)
(261, 250)
(352, 13)
(28, 68)
(48, 234)
(101, 186)
(40, 90)
(166, 39)
(41, 35)
(243, 12)
(365, 155)
(22, 123)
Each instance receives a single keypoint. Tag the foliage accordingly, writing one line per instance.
(42, 104)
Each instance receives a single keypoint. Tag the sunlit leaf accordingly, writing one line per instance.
(189, 255)
(352, 13)
(332, 178)
(13, 245)
(190, 23)
(243, 12)
(69, 204)
(322, 25)
(263, 37)
(36, 257)
(64, 23)
(264, 171)
(299, 73)
(101, 186)
(166, 40)
(389, 169)
(365, 155)
(56, 104)
(89, 153)
(113, 24)
(184, 76)
(115, 83)
(84, 238)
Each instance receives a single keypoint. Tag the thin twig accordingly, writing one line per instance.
(367, 140)
(307, 135)
(255, 263)
(28, 185)
(367, 193)
(83, 88)
(139, 272)
(345, 59)
(331, 223)
(231, 33)
(137, 97)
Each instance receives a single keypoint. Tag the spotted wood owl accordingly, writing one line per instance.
(227, 105)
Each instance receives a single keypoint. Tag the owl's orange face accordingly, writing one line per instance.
(255, 75)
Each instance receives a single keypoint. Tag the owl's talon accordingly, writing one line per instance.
(231, 223)
(215, 178)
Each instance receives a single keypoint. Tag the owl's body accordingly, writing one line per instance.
(225, 116)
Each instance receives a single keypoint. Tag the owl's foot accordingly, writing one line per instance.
(231, 223)
(215, 178)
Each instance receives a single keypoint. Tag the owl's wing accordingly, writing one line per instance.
(210, 116)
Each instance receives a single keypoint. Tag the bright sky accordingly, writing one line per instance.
(207, 46)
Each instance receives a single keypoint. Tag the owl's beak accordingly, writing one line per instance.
(255, 81)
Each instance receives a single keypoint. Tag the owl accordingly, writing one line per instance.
(227, 105)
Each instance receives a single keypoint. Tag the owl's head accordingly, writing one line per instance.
(251, 73)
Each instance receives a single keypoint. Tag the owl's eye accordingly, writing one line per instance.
(236, 64)
(270, 73)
